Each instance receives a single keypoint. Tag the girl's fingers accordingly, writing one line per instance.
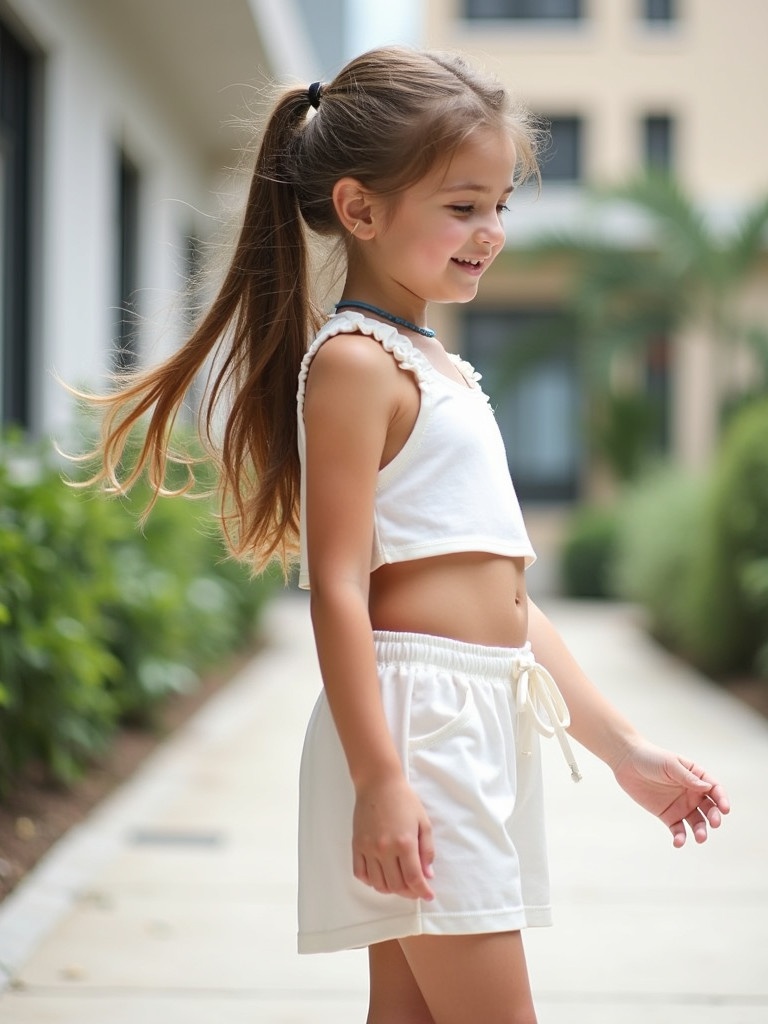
(360, 868)
(426, 850)
(720, 798)
(678, 834)
(698, 825)
(402, 876)
(699, 821)
(376, 876)
(713, 816)
(415, 879)
(711, 812)
(715, 792)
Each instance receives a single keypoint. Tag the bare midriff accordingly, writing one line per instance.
(472, 596)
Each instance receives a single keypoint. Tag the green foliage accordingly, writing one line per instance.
(661, 523)
(694, 553)
(623, 431)
(729, 624)
(56, 667)
(621, 300)
(755, 583)
(99, 622)
(588, 554)
(704, 269)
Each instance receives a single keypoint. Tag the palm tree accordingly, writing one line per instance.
(685, 277)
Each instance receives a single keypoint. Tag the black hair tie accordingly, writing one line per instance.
(315, 92)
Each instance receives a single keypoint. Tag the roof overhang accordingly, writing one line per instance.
(209, 63)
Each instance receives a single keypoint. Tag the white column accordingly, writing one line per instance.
(696, 391)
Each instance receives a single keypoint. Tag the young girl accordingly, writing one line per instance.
(421, 830)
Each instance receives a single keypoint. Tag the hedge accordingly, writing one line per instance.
(659, 537)
(100, 622)
(694, 553)
(728, 628)
(588, 554)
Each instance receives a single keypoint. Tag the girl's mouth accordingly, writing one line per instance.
(469, 266)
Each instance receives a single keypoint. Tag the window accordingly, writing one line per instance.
(561, 159)
(194, 308)
(16, 67)
(659, 10)
(537, 406)
(658, 142)
(533, 10)
(193, 265)
(127, 241)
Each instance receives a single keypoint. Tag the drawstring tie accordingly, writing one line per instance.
(541, 706)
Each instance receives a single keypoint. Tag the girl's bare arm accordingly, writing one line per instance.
(673, 788)
(595, 722)
(350, 402)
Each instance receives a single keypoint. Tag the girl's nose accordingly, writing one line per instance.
(491, 231)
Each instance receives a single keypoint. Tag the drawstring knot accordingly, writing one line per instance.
(541, 706)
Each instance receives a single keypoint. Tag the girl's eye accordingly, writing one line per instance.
(469, 208)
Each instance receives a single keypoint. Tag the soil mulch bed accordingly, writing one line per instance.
(36, 813)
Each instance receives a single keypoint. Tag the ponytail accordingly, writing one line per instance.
(257, 331)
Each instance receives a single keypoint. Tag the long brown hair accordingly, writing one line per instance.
(385, 119)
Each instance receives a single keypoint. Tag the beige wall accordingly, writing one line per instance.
(709, 70)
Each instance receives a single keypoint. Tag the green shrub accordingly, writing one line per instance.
(55, 661)
(99, 622)
(623, 432)
(588, 554)
(755, 583)
(694, 554)
(728, 629)
(659, 540)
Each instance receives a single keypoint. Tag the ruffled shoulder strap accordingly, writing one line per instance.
(401, 348)
(467, 370)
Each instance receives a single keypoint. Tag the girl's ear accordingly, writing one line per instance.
(355, 208)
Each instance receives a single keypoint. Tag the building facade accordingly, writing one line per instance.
(118, 149)
(625, 84)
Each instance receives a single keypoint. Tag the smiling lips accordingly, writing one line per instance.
(472, 266)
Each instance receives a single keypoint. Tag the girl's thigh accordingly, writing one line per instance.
(469, 978)
(395, 998)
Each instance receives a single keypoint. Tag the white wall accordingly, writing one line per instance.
(92, 102)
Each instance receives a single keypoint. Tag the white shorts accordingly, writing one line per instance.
(465, 720)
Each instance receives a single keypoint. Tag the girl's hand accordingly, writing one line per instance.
(674, 789)
(392, 840)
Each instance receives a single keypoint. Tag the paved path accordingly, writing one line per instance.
(174, 902)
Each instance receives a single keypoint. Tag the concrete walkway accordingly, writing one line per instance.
(175, 901)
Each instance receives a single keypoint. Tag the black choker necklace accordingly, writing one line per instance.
(427, 332)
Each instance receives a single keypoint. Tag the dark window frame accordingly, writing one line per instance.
(524, 10)
(534, 488)
(557, 165)
(17, 69)
(127, 242)
(659, 12)
(658, 141)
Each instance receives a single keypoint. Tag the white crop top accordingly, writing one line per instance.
(448, 489)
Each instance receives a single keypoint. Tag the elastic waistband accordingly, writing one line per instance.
(444, 652)
(536, 696)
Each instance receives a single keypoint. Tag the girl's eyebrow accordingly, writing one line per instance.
(468, 186)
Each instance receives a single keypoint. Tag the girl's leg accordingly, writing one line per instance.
(467, 978)
(395, 997)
